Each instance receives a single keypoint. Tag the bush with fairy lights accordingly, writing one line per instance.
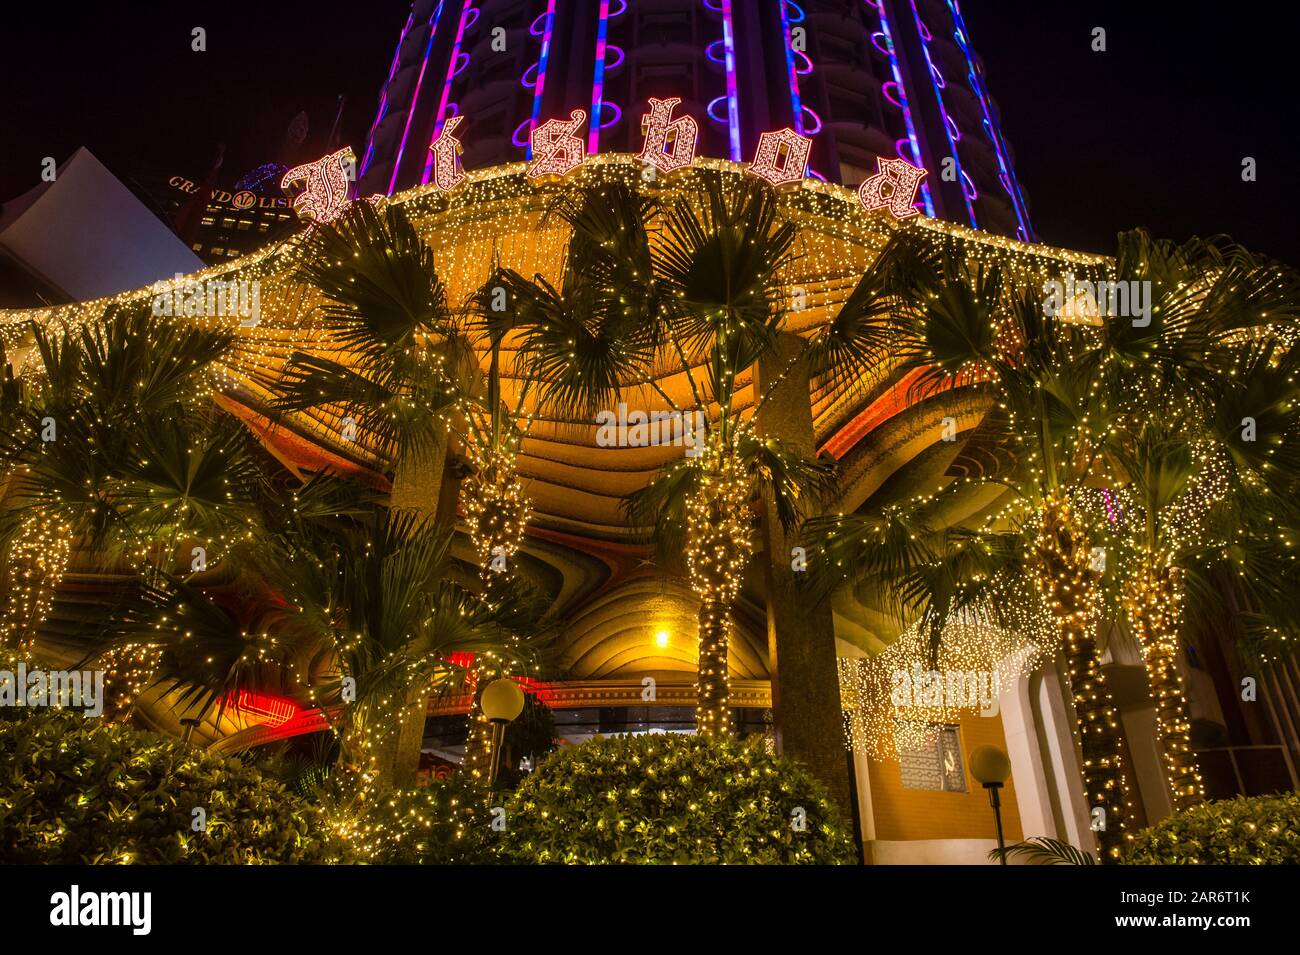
(448, 822)
(1248, 830)
(672, 798)
(78, 790)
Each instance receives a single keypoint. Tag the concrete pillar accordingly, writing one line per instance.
(1028, 769)
(801, 634)
(866, 814)
(1055, 721)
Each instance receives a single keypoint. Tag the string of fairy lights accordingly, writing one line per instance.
(497, 510)
(498, 214)
(719, 542)
(38, 558)
(976, 660)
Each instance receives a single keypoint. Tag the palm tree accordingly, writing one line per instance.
(1069, 397)
(388, 604)
(702, 299)
(492, 496)
(1192, 504)
(377, 602)
(926, 313)
(117, 446)
(1205, 397)
(403, 367)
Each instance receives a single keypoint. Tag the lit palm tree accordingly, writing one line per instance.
(1069, 393)
(1205, 394)
(927, 314)
(408, 376)
(1206, 493)
(403, 366)
(115, 444)
(379, 604)
(703, 297)
(387, 601)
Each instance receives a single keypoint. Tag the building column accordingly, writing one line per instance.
(1033, 793)
(801, 634)
(866, 812)
(1055, 720)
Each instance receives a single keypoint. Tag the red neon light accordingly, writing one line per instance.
(274, 710)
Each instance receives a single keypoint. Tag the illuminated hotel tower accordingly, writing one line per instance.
(862, 78)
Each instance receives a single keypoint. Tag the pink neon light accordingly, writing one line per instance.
(598, 81)
(419, 81)
(618, 114)
(733, 99)
(383, 96)
(454, 66)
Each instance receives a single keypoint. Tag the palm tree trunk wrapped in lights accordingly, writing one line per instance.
(1154, 602)
(497, 511)
(718, 545)
(1062, 563)
(37, 561)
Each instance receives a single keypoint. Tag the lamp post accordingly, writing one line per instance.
(991, 767)
(502, 701)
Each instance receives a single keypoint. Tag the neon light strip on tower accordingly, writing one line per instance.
(540, 86)
(916, 158)
(729, 64)
(446, 89)
(1008, 177)
(419, 80)
(949, 127)
(383, 95)
(598, 79)
(796, 105)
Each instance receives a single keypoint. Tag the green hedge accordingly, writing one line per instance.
(671, 798)
(1257, 830)
(447, 822)
(78, 790)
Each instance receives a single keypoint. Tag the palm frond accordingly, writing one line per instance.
(1042, 850)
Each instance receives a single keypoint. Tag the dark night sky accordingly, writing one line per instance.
(1150, 133)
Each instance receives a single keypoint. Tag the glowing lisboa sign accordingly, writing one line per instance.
(780, 158)
(325, 195)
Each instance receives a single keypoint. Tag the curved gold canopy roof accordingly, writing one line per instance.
(603, 578)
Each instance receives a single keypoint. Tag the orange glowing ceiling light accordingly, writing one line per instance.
(660, 128)
(325, 194)
(446, 174)
(781, 157)
(893, 187)
(556, 150)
